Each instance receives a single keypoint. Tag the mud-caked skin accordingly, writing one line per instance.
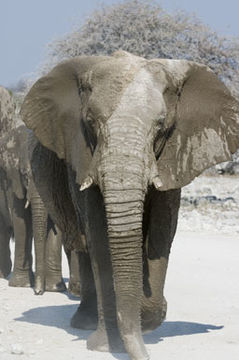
(116, 137)
(22, 212)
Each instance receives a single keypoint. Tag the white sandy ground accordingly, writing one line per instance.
(202, 290)
(220, 215)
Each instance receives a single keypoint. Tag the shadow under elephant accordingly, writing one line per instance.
(59, 317)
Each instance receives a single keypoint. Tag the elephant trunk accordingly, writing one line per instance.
(124, 190)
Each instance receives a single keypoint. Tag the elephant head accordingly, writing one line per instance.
(125, 123)
(8, 116)
(12, 142)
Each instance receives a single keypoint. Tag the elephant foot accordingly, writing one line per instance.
(5, 269)
(50, 283)
(85, 318)
(55, 284)
(39, 287)
(74, 288)
(23, 278)
(106, 341)
(150, 320)
(5, 272)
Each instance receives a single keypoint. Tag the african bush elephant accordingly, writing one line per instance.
(116, 138)
(22, 212)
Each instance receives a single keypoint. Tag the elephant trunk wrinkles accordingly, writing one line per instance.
(124, 186)
(124, 219)
(124, 212)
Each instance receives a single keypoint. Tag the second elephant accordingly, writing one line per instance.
(22, 212)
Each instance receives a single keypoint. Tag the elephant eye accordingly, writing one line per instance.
(90, 126)
(90, 123)
(159, 143)
(159, 127)
(159, 123)
(83, 87)
(162, 136)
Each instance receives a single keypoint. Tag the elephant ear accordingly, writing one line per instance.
(204, 125)
(52, 109)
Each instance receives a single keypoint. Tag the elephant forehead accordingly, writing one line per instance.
(143, 96)
(124, 87)
(108, 81)
(115, 74)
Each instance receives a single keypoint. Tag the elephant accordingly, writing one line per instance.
(22, 212)
(114, 140)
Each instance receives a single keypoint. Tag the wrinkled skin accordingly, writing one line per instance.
(116, 139)
(22, 213)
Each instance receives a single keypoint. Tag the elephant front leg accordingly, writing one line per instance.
(86, 316)
(154, 306)
(161, 226)
(22, 272)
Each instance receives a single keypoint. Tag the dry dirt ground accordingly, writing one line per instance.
(202, 290)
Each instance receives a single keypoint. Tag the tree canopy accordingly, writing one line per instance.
(143, 28)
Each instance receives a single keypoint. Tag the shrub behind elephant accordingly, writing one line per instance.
(22, 212)
(126, 134)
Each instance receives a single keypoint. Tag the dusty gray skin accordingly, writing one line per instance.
(118, 137)
(22, 212)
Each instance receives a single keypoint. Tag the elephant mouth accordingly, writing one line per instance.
(123, 172)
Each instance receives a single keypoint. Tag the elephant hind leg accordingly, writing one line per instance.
(5, 256)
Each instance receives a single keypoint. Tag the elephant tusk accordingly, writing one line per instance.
(157, 183)
(86, 183)
(154, 176)
(27, 204)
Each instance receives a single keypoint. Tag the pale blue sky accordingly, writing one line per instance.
(26, 26)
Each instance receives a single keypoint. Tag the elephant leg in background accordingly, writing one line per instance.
(5, 256)
(48, 249)
(22, 226)
(74, 270)
(106, 337)
(6, 232)
(53, 260)
(162, 210)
